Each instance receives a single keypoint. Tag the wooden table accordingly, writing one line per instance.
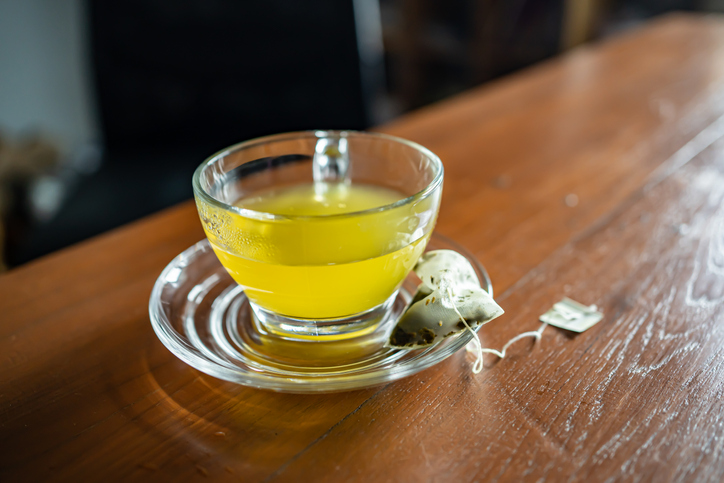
(598, 176)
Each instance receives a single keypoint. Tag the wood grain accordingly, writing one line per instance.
(632, 127)
(639, 394)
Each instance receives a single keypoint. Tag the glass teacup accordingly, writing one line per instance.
(319, 228)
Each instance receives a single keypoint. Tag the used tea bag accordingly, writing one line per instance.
(448, 301)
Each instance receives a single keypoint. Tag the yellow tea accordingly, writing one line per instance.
(317, 259)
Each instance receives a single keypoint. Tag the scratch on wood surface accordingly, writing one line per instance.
(424, 454)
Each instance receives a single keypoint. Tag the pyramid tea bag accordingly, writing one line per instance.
(449, 300)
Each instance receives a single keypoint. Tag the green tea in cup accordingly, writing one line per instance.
(319, 228)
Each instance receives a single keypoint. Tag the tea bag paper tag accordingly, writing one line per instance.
(571, 315)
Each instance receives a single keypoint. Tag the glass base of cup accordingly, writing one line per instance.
(324, 329)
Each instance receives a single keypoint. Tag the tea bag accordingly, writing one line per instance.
(448, 301)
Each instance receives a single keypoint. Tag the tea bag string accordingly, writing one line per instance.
(478, 348)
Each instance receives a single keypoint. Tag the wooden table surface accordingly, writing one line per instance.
(598, 176)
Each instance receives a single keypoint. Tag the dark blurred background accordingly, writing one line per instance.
(107, 107)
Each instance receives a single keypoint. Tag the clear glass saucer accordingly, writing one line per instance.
(203, 317)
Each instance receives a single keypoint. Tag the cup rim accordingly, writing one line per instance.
(260, 215)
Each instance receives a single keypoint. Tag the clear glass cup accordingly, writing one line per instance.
(327, 276)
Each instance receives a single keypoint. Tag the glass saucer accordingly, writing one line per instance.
(203, 317)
